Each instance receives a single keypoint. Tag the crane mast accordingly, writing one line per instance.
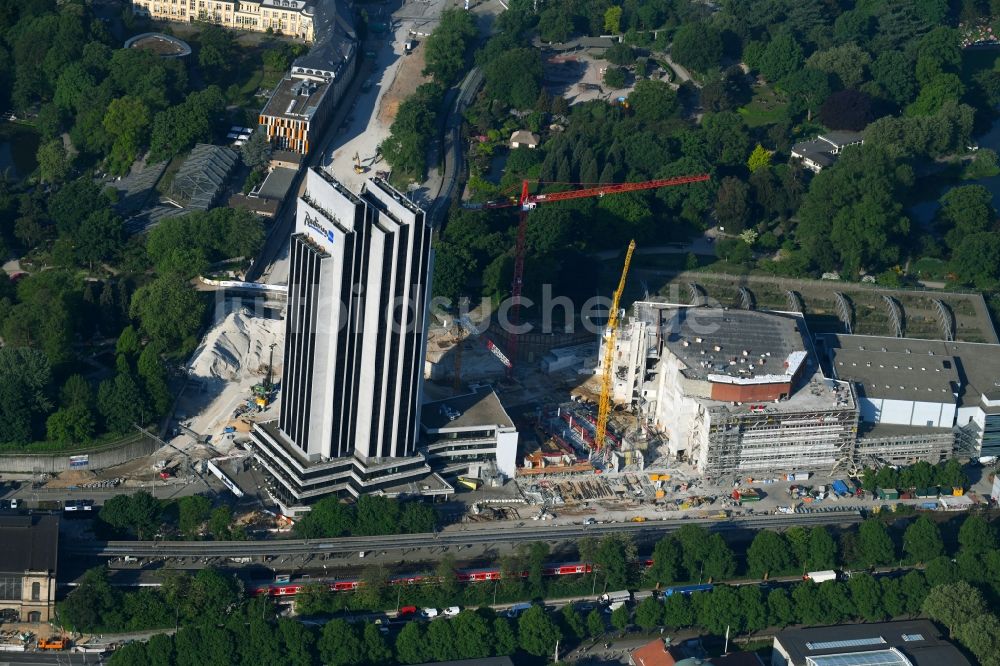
(604, 407)
(526, 202)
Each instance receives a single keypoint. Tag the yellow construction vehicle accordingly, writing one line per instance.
(604, 407)
(358, 168)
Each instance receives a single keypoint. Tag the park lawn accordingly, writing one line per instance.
(766, 108)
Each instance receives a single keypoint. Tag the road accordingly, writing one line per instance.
(485, 535)
(49, 658)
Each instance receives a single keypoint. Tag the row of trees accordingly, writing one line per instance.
(141, 516)
(947, 474)
(371, 515)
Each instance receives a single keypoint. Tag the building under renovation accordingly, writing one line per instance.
(735, 391)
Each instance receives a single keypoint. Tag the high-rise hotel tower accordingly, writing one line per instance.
(355, 341)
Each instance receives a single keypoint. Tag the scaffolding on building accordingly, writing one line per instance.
(794, 301)
(746, 299)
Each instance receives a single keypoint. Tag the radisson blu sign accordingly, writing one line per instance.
(314, 224)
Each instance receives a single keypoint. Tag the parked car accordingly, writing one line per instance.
(429, 613)
(452, 611)
(407, 610)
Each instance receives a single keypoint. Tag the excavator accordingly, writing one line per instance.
(358, 167)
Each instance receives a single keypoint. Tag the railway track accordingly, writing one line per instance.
(534, 532)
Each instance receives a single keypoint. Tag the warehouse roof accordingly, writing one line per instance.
(974, 366)
(28, 543)
(919, 641)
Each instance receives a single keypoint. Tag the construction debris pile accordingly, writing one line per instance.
(237, 345)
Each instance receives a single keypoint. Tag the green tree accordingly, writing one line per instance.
(981, 635)
(220, 523)
(441, 640)
(375, 515)
(71, 425)
(653, 101)
(760, 158)
(768, 554)
(170, 311)
(514, 76)
(296, 642)
(127, 121)
(537, 633)
(411, 644)
(851, 215)
(866, 596)
(406, 146)
(753, 607)
(340, 645)
(613, 20)
(620, 618)
(122, 403)
(99, 238)
(846, 63)
(953, 604)
(977, 535)
(834, 597)
(649, 613)
(922, 540)
(595, 623)
(86, 606)
(53, 161)
(505, 640)
(964, 211)
(138, 514)
(720, 609)
(782, 56)
(329, 517)
(976, 260)
(732, 204)
(446, 49)
(572, 622)
(666, 561)
(780, 611)
(256, 151)
(697, 46)
(614, 553)
(875, 544)
(376, 649)
(24, 391)
(193, 511)
(893, 601)
(822, 549)
(807, 89)
(678, 611)
(614, 78)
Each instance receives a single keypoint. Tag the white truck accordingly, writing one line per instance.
(619, 597)
(821, 576)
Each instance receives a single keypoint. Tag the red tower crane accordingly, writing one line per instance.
(527, 201)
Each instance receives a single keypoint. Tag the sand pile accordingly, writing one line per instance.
(237, 347)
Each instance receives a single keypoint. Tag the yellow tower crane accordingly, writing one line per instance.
(604, 409)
